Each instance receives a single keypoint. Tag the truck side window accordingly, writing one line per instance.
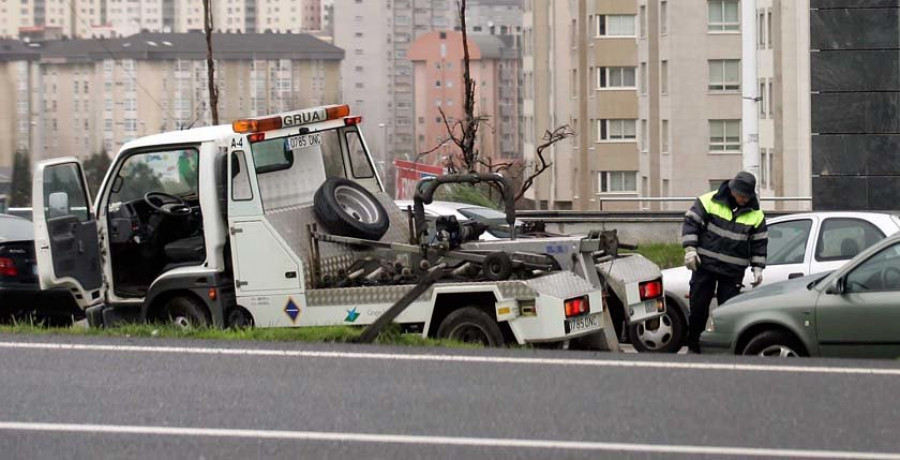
(240, 179)
(359, 162)
(66, 178)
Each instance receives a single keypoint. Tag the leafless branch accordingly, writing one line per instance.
(550, 138)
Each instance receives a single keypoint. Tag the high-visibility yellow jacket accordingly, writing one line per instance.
(728, 238)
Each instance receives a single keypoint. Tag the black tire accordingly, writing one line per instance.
(774, 343)
(497, 266)
(346, 208)
(239, 318)
(471, 325)
(667, 334)
(186, 312)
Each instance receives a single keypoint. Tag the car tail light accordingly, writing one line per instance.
(577, 306)
(8, 267)
(350, 121)
(650, 289)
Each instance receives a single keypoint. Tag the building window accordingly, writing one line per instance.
(725, 75)
(664, 137)
(723, 15)
(763, 170)
(663, 17)
(724, 136)
(614, 25)
(762, 98)
(643, 78)
(643, 19)
(761, 29)
(645, 145)
(771, 101)
(615, 77)
(769, 27)
(574, 83)
(616, 130)
(617, 181)
(664, 77)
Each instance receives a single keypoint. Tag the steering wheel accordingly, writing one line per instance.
(890, 278)
(168, 204)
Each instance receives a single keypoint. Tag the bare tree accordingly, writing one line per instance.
(464, 133)
(210, 65)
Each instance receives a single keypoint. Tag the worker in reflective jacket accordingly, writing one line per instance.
(724, 232)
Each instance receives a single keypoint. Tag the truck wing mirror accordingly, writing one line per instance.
(59, 204)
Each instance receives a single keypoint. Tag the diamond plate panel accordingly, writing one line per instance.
(390, 294)
(561, 285)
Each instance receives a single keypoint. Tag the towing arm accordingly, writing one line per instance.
(425, 195)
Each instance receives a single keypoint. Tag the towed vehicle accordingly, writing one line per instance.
(799, 245)
(282, 221)
(21, 297)
(849, 312)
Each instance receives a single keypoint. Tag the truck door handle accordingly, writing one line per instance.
(290, 275)
(795, 275)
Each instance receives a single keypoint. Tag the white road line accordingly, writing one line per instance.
(438, 358)
(331, 436)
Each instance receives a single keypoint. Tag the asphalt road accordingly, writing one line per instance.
(75, 397)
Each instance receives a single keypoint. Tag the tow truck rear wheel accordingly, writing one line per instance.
(471, 325)
(186, 312)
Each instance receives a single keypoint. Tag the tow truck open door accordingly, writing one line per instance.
(66, 241)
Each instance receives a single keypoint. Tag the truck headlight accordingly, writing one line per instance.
(710, 325)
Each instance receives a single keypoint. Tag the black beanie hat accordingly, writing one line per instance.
(743, 183)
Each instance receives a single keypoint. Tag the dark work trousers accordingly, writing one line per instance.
(704, 285)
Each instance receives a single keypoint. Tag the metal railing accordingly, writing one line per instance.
(674, 199)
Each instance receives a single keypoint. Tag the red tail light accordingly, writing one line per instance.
(350, 121)
(651, 289)
(577, 306)
(8, 267)
(256, 137)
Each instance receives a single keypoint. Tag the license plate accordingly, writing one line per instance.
(650, 306)
(582, 323)
(303, 141)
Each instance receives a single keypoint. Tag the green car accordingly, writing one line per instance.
(851, 312)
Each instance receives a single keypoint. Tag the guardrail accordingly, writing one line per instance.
(674, 199)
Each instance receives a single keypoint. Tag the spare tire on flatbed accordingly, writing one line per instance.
(346, 208)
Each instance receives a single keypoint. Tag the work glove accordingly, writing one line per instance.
(757, 276)
(691, 259)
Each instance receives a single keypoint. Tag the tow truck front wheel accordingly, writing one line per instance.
(471, 325)
(186, 312)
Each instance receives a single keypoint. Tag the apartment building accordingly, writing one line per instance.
(653, 92)
(438, 69)
(120, 18)
(377, 76)
(582, 74)
(78, 97)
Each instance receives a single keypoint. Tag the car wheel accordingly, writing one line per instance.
(346, 208)
(186, 313)
(471, 325)
(665, 334)
(775, 344)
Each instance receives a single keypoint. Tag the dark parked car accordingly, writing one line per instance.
(21, 297)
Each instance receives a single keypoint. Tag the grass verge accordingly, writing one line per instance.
(666, 255)
(327, 334)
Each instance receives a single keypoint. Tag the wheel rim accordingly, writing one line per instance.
(356, 204)
(779, 351)
(470, 333)
(181, 321)
(656, 333)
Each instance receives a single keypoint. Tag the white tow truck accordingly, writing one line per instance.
(282, 221)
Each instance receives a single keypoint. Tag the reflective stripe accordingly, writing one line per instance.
(688, 239)
(726, 233)
(724, 258)
(693, 216)
(760, 236)
(759, 260)
(752, 218)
